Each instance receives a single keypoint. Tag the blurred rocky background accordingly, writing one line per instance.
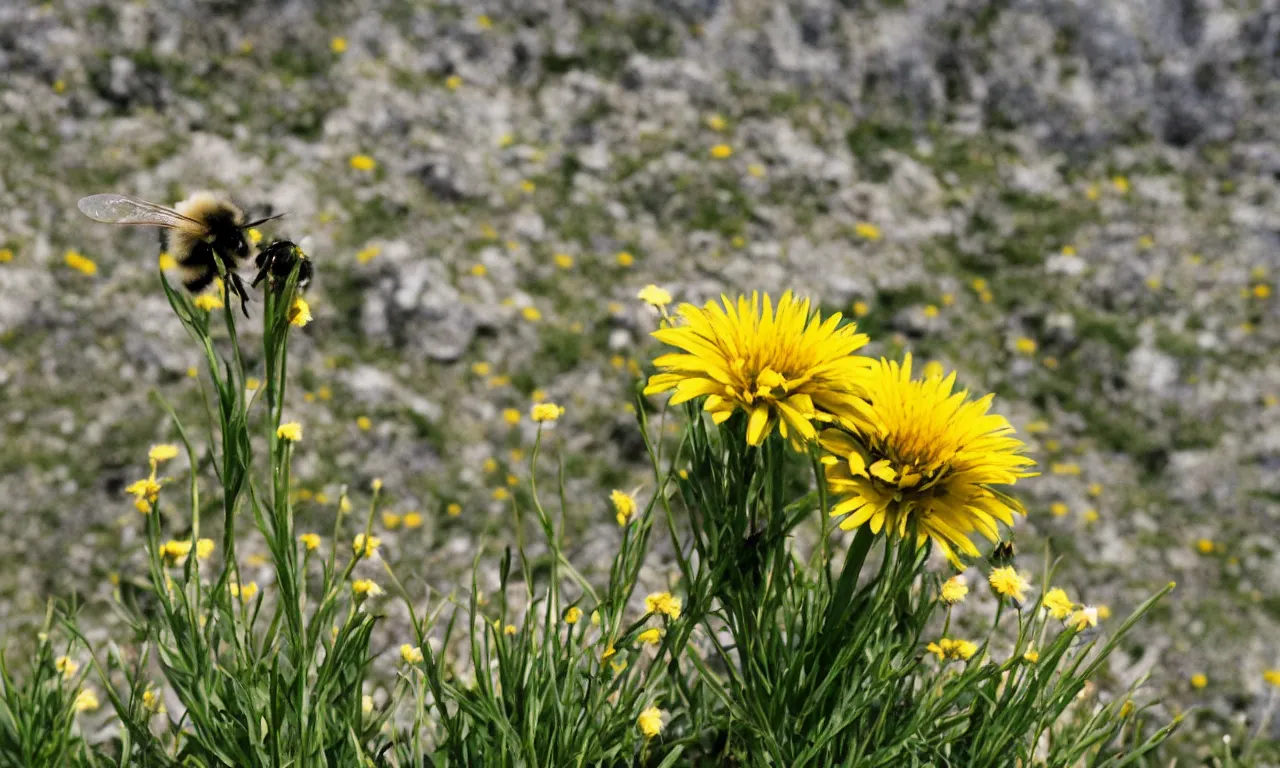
(1071, 202)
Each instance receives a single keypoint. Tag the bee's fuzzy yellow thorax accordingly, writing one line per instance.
(201, 205)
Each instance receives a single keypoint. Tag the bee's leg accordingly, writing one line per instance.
(266, 267)
(238, 284)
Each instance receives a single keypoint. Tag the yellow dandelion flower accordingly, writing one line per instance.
(453, 510)
(1058, 509)
(781, 366)
(310, 540)
(722, 151)
(531, 314)
(1057, 604)
(654, 296)
(926, 457)
(66, 666)
(1121, 184)
(411, 654)
(716, 122)
(573, 615)
(624, 259)
(414, 519)
(147, 489)
(208, 302)
(1205, 546)
(300, 312)
(861, 309)
(1025, 346)
(80, 263)
(86, 701)
(338, 44)
(511, 416)
(292, 431)
(563, 260)
(954, 589)
(204, 548)
(245, 592)
(453, 82)
(366, 588)
(664, 603)
(500, 494)
(1262, 291)
(1032, 655)
(162, 453)
(949, 649)
(867, 231)
(650, 722)
(1199, 680)
(391, 520)
(546, 412)
(363, 163)
(365, 546)
(624, 504)
(1272, 676)
(651, 636)
(166, 261)
(1007, 582)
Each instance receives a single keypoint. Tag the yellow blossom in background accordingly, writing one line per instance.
(255, 235)
(152, 701)
(310, 540)
(1262, 291)
(146, 491)
(480, 369)
(6, 255)
(934, 370)
(782, 366)
(1091, 515)
(928, 456)
(625, 259)
(204, 548)
(365, 546)
(650, 722)
(252, 384)
(1199, 680)
(453, 510)
(391, 520)
(66, 667)
(1272, 676)
(624, 504)
(722, 151)
(208, 302)
(366, 702)
(654, 296)
(664, 603)
(500, 494)
(246, 592)
(300, 312)
(1058, 509)
(291, 431)
(414, 519)
(79, 263)
(511, 416)
(1032, 655)
(510, 629)
(166, 261)
(453, 82)
(484, 22)
(338, 44)
(1146, 241)
(948, 649)
(651, 636)
(162, 453)
(1065, 468)
(861, 309)
(1121, 184)
(363, 162)
(366, 587)
(931, 311)
(1057, 604)
(531, 314)
(528, 186)
(756, 170)
(573, 615)
(411, 654)
(86, 701)
(1007, 582)
(609, 650)
(1025, 346)
(368, 254)
(546, 412)
(1084, 618)
(563, 260)
(1205, 546)
(1092, 192)
(954, 589)
(867, 231)
(716, 122)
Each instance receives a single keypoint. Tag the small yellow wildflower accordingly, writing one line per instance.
(453, 510)
(66, 666)
(1199, 680)
(654, 296)
(208, 302)
(481, 369)
(338, 44)
(511, 416)
(246, 592)
(162, 453)
(716, 122)
(954, 589)
(664, 603)
(1025, 345)
(931, 311)
(1272, 676)
(722, 151)
(563, 260)
(510, 629)
(484, 22)
(861, 309)
(624, 504)
(948, 649)
(204, 548)
(1092, 192)
(86, 701)
(650, 722)
(166, 261)
(1008, 583)
(391, 520)
(291, 431)
(546, 412)
(1121, 184)
(363, 163)
(1205, 546)
(651, 636)
(453, 82)
(79, 263)
(1058, 509)
(1146, 242)
(500, 494)
(6, 255)
(368, 254)
(531, 314)
(300, 312)
(366, 702)
(310, 540)
(1084, 618)
(625, 259)
(1066, 468)
(608, 651)
(756, 170)
(573, 615)
(152, 701)
(366, 587)
(1091, 515)
(867, 231)
(934, 370)
(1058, 605)
(411, 654)
(365, 546)
(176, 550)
(1262, 291)
(1032, 655)
(414, 519)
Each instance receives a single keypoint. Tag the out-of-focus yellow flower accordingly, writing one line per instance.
(310, 540)
(365, 546)
(152, 701)
(1205, 546)
(86, 701)
(664, 603)
(573, 615)
(1058, 509)
(453, 82)
(722, 151)
(563, 260)
(531, 314)
(245, 592)
(366, 588)
(166, 261)
(950, 649)
(1084, 618)
(208, 302)
(543, 412)
(510, 629)
(954, 589)
(624, 259)
(624, 504)
(162, 453)
(363, 163)
(1058, 605)
(368, 254)
(654, 296)
(204, 548)
(867, 231)
(511, 416)
(80, 263)
(650, 722)
(1272, 676)
(300, 312)
(1121, 184)
(1025, 346)
(1199, 680)
(411, 654)
(364, 423)
(1007, 582)
(716, 122)
(453, 510)
(366, 702)
(391, 520)
(66, 666)
(651, 636)
(338, 45)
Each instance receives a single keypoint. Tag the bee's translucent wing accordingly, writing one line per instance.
(123, 209)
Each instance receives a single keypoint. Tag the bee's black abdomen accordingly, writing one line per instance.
(197, 267)
(198, 283)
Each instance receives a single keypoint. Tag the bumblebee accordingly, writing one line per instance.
(275, 264)
(202, 233)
